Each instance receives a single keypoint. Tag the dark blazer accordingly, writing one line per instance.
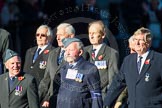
(144, 89)
(35, 68)
(5, 43)
(51, 79)
(84, 94)
(111, 57)
(49, 86)
(27, 98)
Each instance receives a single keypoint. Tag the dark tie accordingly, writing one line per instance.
(36, 54)
(71, 66)
(11, 82)
(93, 54)
(139, 63)
(61, 56)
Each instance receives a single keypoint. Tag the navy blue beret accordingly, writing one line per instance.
(68, 41)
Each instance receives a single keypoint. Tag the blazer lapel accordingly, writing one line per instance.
(89, 50)
(32, 52)
(57, 53)
(45, 51)
(134, 69)
(58, 68)
(79, 63)
(7, 83)
(101, 52)
(146, 66)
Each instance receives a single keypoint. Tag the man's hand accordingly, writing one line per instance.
(45, 104)
(118, 105)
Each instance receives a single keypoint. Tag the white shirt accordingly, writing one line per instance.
(97, 49)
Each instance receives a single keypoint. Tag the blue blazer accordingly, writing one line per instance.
(144, 89)
(85, 94)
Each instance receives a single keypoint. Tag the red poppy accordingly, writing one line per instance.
(147, 61)
(100, 57)
(46, 51)
(20, 78)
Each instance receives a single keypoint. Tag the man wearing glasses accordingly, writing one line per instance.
(141, 73)
(36, 57)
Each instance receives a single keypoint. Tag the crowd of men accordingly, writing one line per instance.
(74, 76)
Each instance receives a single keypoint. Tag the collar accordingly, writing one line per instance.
(144, 56)
(42, 48)
(97, 49)
(75, 63)
(98, 46)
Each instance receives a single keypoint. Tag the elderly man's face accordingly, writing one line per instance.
(61, 34)
(95, 36)
(140, 45)
(72, 53)
(13, 65)
(41, 37)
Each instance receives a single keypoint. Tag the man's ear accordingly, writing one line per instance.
(6, 65)
(103, 34)
(148, 44)
(80, 52)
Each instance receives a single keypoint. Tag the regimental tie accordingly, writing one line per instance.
(36, 54)
(139, 63)
(60, 58)
(93, 54)
(11, 82)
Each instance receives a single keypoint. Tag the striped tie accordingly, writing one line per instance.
(36, 54)
(60, 58)
(139, 64)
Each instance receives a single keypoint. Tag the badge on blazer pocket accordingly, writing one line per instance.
(79, 77)
(42, 64)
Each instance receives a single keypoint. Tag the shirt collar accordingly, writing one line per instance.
(42, 48)
(144, 56)
(75, 63)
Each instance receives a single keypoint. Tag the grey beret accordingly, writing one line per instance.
(9, 54)
(68, 41)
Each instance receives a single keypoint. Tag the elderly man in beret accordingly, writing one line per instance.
(80, 81)
(18, 89)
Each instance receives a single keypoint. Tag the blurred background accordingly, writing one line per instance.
(122, 17)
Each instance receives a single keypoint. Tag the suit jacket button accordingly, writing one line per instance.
(31, 67)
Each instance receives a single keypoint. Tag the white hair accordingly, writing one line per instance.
(69, 29)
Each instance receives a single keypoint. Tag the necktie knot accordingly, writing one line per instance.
(12, 78)
(39, 49)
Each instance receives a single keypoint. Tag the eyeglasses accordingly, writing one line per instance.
(139, 40)
(42, 35)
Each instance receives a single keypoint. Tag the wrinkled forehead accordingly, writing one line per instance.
(95, 26)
